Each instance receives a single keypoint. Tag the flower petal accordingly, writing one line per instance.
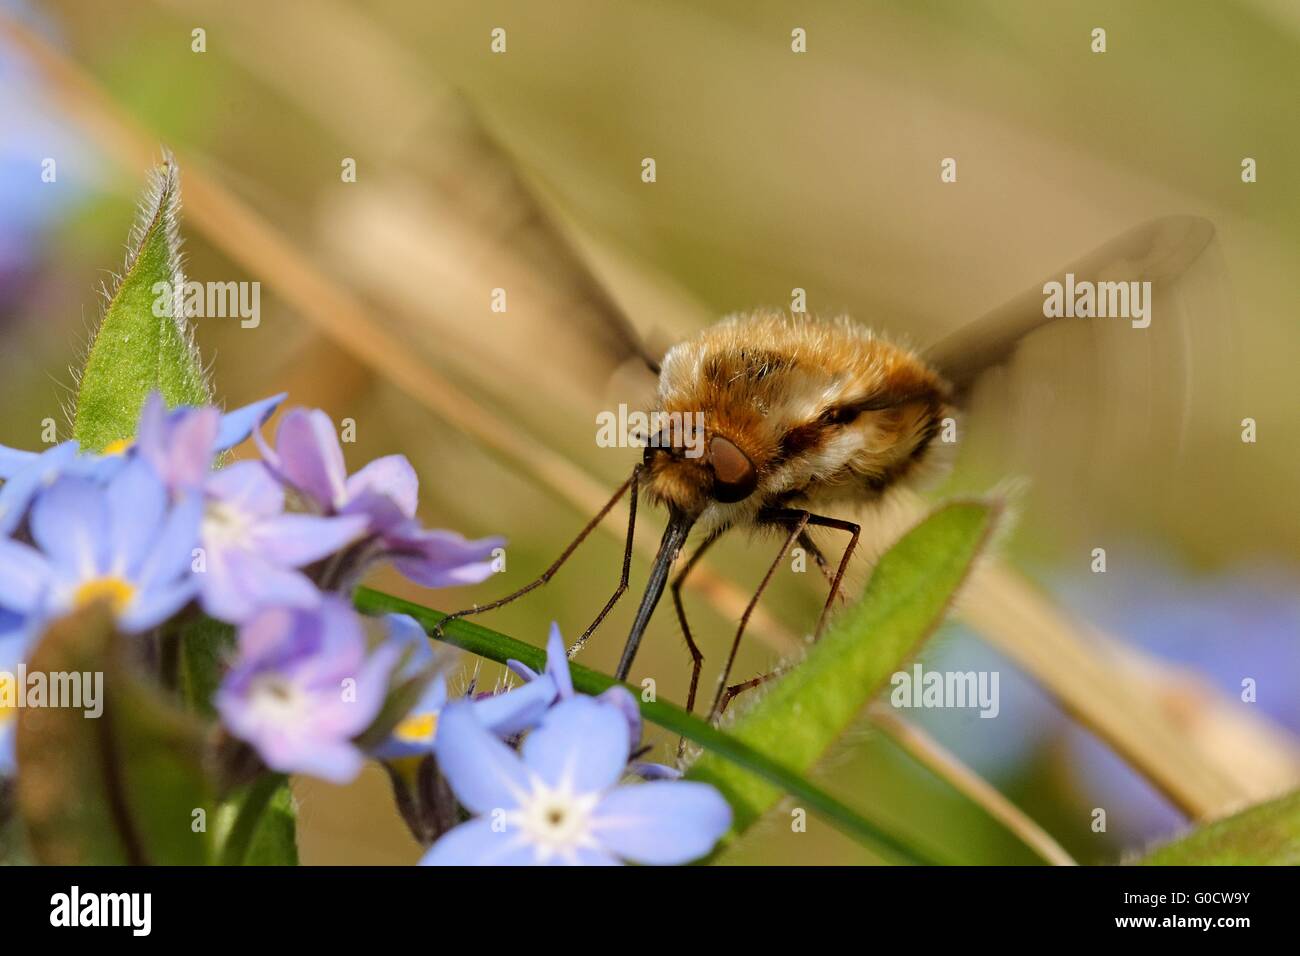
(391, 476)
(516, 710)
(476, 843)
(171, 553)
(294, 540)
(21, 488)
(557, 662)
(136, 504)
(622, 700)
(248, 486)
(24, 576)
(191, 445)
(309, 457)
(444, 559)
(237, 425)
(70, 524)
(14, 460)
(661, 823)
(483, 772)
(238, 584)
(156, 605)
(580, 741)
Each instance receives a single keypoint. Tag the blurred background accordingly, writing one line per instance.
(774, 170)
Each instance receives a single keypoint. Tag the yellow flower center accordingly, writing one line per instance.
(417, 728)
(115, 591)
(8, 695)
(118, 447)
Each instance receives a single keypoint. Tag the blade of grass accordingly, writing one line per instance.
(1264, 835)
(945, 765)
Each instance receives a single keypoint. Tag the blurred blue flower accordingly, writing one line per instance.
(252, 548)
(308, 457)
(123, 542)
(33, 133)
(15, 642)
(560, 802)
(180, 445)
(1227, 628)
(303, 686)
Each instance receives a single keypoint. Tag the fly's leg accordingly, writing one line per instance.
(801, 520)
(549, 573)
(798, 521)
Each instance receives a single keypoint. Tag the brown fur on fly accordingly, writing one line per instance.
(797, 412)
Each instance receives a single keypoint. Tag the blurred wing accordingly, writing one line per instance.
(478, 277)
(1159, 251)
(1108, 419)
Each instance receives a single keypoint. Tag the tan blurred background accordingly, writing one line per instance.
(775, 170)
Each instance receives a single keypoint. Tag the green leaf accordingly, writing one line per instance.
(498, 647)
(1264, 835)
(135, 351)
(804, 712)
(259, 825)
(205, 647)
(123, 787)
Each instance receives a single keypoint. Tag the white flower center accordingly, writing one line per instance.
(276, 700)
(556, 820)
(225, 524)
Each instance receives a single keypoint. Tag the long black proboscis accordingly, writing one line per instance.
(679, 526)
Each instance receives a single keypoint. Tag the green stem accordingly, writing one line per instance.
(251, 807)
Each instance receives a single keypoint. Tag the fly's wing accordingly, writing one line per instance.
(1159, 252)
(1107, 418)
(479, 279)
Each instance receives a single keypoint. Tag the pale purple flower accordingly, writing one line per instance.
(123, 542)
(308, 457)
(252, 548)
(303, 687)
(559, 801)
(182, 443)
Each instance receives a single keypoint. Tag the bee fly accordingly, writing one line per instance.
(804, 415)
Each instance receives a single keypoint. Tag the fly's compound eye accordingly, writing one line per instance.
(734, 477)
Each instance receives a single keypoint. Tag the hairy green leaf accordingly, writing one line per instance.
(127, 786)
(136, 351)
(801, 714)
(1267, 834)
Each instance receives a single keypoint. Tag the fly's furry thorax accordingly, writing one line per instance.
(821, 409)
